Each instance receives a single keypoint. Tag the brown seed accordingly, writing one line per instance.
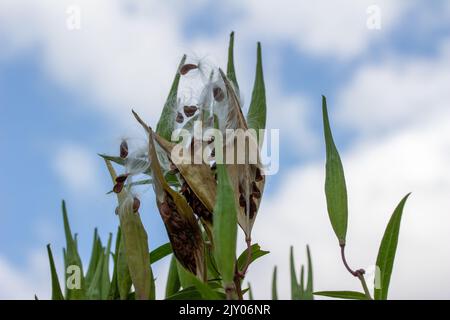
(258, 176)
(124, 149)
(136, 204)
(118, 187)
(242, 201)
(211, 140)
(214, 166)
(189, 111)
(213, 152)
(256, 192)
(179, 118)
(121, 178)
(218, 94)
(187, 67)
(252, 208)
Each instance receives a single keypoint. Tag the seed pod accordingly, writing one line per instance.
(218, 94)
(179, 118)
(123, 149)
(136, 204)
(121, 178)
(189, 111)
(187, 67)
(118, 187)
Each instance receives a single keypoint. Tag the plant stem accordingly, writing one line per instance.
(356, 273)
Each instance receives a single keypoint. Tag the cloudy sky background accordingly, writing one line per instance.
(66, 95)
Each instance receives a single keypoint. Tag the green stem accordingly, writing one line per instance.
(364, 285)
(357, 273)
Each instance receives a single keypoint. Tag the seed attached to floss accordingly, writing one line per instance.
(189, 111)
(136, 204)
(179, 118)
(118, 187)
(218, 94)
(187, 67)
(121, 178)
(124, 149)
(256, 192)
(242, 201)
(258, 176)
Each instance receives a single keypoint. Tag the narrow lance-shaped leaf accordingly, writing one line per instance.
(56, 288)
(173, 282)
(76, 289)
(94, 290)
(351, 295)
(206, 292)
(335, 188)
(309, 285)
(94, 259)
(225, 225)
(231, 73)
(250, 292)
(256, 116)
(387, 250)
(295, 289)
(114, 288)
(105, 281)
(301, 286)
(274, 284)
(160, 252)
(166, 122)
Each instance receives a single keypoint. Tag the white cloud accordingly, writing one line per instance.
(328, 28)
(25, 281)
(77, 168)
(396, 92)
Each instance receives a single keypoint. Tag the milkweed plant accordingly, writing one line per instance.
(204, 164)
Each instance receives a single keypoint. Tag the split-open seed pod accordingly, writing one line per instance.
(246, 176)
(181, 225)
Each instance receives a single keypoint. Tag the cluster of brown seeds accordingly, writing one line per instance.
(182, 235)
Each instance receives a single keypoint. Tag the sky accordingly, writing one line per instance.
(71, 71)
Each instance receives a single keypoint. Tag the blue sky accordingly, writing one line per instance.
(65, 95)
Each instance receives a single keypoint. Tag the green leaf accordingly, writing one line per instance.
(387, 250)
(204, 289)
(72, 259)
(105, 281)
(274, 284)
(295, 288)
(94, 290)
(166, 122)
(256, 253)
(190, 293)
(250, 293)
(56, 288)
(135, 240)
(309, 285)
(114, 288)
(301, 286)
(123, 272)
(225, 226)
(256, 116)
(335, 188)
(94, 258)
(160, 252)
(352, 295)
(173, 281)
(231, 73)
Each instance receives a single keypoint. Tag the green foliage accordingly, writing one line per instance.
(335, 188)
(388, 248)
(202, 218)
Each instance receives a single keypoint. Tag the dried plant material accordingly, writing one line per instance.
(187, 67)
(189, 111)
(182, 227)
(179, 118)
(123, 149)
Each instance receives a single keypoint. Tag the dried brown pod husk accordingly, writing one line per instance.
(178, 217)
